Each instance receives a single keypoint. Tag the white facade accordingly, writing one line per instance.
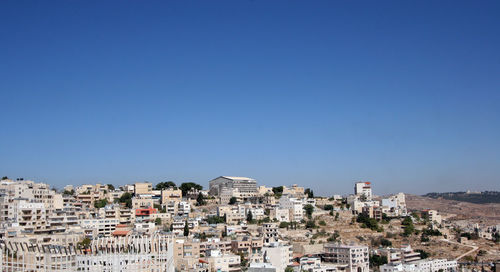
(294, 205)
(153, 253)
(354, 256)
(100, 227)
(363, 189)
(243, 184)
(278, 255)
(422, 266)
(394, 205)
(223, 262)
(280, 214)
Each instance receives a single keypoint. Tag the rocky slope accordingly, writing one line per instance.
(486, 213)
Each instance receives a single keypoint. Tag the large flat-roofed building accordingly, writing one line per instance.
(143, 188)
(243, 184)
(356, 257)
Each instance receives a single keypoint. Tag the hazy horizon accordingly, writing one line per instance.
(321, 94)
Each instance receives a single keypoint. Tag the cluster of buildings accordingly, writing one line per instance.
(406, 259)
(362, 202)
(233, 225)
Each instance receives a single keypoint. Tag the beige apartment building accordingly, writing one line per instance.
(223, 262)
(143, 188)
(247, 245)
(224, 246)
(142, 202)
(171, 194)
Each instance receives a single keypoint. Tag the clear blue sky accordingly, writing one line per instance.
(405, 94)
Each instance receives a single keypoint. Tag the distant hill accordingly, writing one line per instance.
(474, 197)
(487, 213)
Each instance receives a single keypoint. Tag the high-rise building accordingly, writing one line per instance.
(363, 189)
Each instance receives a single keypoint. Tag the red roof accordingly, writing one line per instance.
(120, 232)
(147, 211)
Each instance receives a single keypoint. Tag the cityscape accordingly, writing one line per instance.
(250, 136)
(235, 224)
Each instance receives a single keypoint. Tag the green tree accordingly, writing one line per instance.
(158, 221)
(309, 193)
(496, 237)
(85, 243)
(334, 237)
(310, 224)
(409, 229)
(243, 260)
(165, 185)
(367, 222)
(289, 269)
(278, 191)
(111, 187)
(322, 223)
(186, 186)
(216, 219)
(309, 210)
(127, 199)
(377, 260)
(233, 200)
(407, 221)
(249, 216)
(385, 218)
(432, 232)
(67, 193)
(100, 203)
(423, 254)
(200, 200)
(328, 207)
(385, 243)
(186, 229)
(284, 225)
(5, 177)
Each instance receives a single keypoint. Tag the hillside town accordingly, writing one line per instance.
(233, 225)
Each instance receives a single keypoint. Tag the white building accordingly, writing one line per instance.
(356, 257)
(294, 205)
(261, 267)
(184, 208)
(243, 184)
(363, 189)
(313, 264)
(151, 253)
(422, 266)
(280, 214)
(223, 262)
(394, 205)
(27, 217)
(99, 227)
(278, 255)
